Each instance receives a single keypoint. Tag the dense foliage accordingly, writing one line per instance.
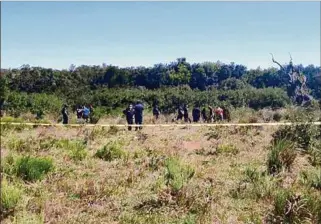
(110, 87)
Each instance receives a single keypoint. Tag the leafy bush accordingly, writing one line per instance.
(111, 152)
(32, 168)
(76, 149)
(177, 174)
(281, 156)
(10, 196)
(312, 179)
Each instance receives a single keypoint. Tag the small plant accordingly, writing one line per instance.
(177, 174)
(20, 145)
(277, 116)
(111, 152)
(10, 196)
(312, 179)
(32, 168)
(113, 130)
(76, 149)
(227, 149)
(282, 155)
(289, 207)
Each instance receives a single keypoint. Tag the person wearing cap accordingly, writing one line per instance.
(64, 113)
(129, 113)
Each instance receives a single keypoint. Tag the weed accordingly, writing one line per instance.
(32, 168)
(111, 152)
(10, 196)
(227, 149)
(282, 155)
(277, 116)
(113, 130)
(76, 149)
(312, 179)
(177, 174)
(290, 208)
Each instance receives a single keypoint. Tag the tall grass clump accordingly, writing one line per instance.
(10, 196)
(33, 168)
(111, 151)
(177, 174)
(281, 156)
(76, 149)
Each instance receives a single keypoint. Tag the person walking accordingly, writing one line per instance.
(139, 108)
(129, 113)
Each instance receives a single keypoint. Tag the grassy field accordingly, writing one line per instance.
(161, 175)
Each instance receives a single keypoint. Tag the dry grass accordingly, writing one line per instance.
(135, 187)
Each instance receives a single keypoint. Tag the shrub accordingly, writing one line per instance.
(304, 135)
(76, 149)
(32, 168)
(289, 207)
(177, 174)
(312, 179)
(227, 149)
(282, 155)
(10, 196)
(277, 116)
(111, 152)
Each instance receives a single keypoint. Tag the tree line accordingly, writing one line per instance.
(112, 87)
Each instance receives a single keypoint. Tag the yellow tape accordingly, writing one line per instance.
(168, 125)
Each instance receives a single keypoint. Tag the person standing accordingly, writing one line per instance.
(64, 113)
(129, 113)
(156, 112)
(86, 113)
(186, 116)
(196, 114)
(139, 108)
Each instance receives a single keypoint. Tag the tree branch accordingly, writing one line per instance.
(274, 61)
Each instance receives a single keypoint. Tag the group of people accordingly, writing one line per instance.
(214, 114)
(83, 113)
(134, 114)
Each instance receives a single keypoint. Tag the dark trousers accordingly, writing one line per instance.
(129, 122)
(138, 121)
(65, 119)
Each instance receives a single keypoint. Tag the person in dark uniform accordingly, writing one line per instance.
(156, 112)
(211, 117)
(129, 113)
(186, 116)
(139, 108)
(180, 113)
(196, 114)
(204, 116)
(64, 113)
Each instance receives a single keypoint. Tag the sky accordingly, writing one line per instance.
(58, 34)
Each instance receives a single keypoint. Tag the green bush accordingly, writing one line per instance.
(177, 174)
(76, 149)
(10, 196)
(32, 168)
(111, 151)
(281, 156)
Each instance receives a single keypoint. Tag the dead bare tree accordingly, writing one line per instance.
(297, 88)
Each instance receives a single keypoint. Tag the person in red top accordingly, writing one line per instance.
(219, 113)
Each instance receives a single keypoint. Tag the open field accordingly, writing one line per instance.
(157, 175)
